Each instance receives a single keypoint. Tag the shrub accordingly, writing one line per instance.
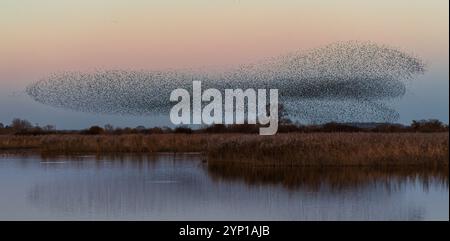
(94, 130)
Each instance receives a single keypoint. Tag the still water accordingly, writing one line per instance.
(182, 187)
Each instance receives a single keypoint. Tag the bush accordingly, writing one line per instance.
(94, 130)
(338, 127)
(430, 125)
(182, 129)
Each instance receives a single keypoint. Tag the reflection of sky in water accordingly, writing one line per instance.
(181, 188)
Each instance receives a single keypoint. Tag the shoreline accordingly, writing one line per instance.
(290, 149)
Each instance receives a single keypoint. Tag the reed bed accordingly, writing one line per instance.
(12, 142)
(335, 149)
(290, 149)
(126, 143)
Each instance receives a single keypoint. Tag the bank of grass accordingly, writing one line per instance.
(290, 149)
(104, 144)
(337, 149)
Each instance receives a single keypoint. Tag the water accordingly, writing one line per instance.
(182, 187)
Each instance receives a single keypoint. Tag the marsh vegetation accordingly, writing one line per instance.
(290, 149)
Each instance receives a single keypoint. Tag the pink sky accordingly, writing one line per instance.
(46, 36)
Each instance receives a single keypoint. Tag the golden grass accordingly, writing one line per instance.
(76, 143)
(293, 149)
(8, 142)
(337, 149)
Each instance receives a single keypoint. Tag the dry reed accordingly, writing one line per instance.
(293, 149)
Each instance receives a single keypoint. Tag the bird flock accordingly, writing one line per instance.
(343, 82)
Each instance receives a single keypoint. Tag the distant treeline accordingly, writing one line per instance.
(24, 127)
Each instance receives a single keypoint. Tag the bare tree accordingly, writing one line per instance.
(109, 128)
(283, 116)
(21, 125)
(49, 128)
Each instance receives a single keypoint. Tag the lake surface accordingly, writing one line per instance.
(182, 187)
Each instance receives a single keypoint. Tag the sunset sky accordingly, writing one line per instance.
(38, 38)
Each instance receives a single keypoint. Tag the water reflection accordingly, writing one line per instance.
(334, 178)
(182, 187)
